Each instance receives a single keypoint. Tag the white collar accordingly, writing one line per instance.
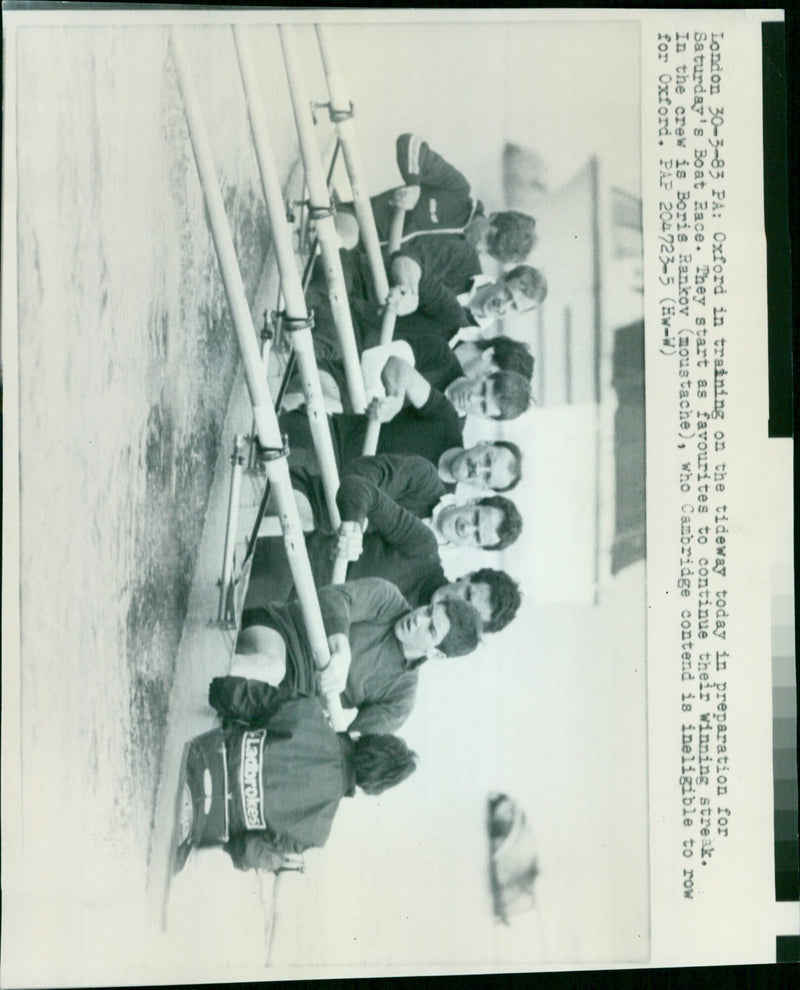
(443, 503)
(482, 322)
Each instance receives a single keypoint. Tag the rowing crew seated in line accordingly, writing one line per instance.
(444, 236)
(416, 418)
(380, 538)
(440, 363)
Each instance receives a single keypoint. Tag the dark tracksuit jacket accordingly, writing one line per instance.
(287, 770)
(428, 432)
(448, 265)
(408, 481)
(444, 201)
(397, 546)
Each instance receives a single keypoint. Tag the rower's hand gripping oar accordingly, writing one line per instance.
(345, 551)
(387, 332)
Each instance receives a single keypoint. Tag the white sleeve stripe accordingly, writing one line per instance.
(414, 146)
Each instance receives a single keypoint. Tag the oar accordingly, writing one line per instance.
(396, 230)
(387, 330)
(263, 411)
(373, 425)
(372, 435)
(322, 215)
(341, 113)
(296, 317)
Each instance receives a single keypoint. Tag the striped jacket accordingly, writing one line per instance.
(444, 205)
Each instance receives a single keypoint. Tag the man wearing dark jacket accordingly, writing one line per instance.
(397, 546)
(270, 781)
(444, 230)
(377, 643)
(437, 201)
(412, 481)
(423, 421)
(415, 418)
(382, 539)
(442, 276)
(437, 357)
(441, 364)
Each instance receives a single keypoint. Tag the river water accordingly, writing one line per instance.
(127, 358)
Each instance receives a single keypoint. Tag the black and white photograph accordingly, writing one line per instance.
(331, 618)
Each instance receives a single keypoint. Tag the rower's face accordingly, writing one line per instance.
(477, 594)
(485, 465)
(506, 297)
(475, 362)
(470, 525)
(474, 397)
(423, 629)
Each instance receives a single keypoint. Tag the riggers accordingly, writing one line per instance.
(263, 409)
(322, 214)
(341, 112)
(291, 284)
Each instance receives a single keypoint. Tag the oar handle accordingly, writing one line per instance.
(396, 229)
(339, 720)
(372, 435)
(387, 324)
(340, 569)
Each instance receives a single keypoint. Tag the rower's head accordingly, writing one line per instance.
(511, 236)
(490, 523)
(485, 357)
(508, 237)
(450, 628)
(492, 464)
(502, 395)
(493, 594)
(519, 290)
(381, 761)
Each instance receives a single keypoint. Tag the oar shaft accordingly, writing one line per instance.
(372, 436)
(387, 325)
(291, 283)
(263, 410)
(345, 128)
(325, 227)
(339, 575)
